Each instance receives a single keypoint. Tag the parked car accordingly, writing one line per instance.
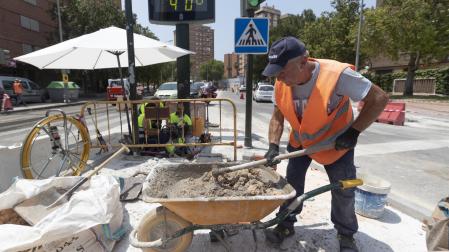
(32, 92)
(263, 93)
(242, 88)
(167, 90)
(195, 89)
(261, 83)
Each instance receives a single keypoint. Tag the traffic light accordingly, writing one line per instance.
(254, 3)
(249, 6)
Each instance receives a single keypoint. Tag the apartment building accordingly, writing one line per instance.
(26, 25)
(231, 65)
(269, 12)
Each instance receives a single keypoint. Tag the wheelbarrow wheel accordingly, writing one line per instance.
(162, 222)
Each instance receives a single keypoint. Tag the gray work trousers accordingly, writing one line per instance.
(342, 213)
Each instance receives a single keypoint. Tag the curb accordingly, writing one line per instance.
(46, 107)
(409, 208)
(13, 122)
(42, 107)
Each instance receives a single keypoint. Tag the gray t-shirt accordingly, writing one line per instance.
(350, 83)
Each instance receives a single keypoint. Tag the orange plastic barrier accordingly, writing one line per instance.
(394, 113)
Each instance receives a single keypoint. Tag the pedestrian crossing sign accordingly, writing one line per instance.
(251, 35)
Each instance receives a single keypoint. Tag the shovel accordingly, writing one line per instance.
(299, 153)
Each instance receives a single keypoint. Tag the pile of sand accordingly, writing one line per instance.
(238, 183)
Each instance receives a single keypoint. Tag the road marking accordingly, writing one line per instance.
(399, 146)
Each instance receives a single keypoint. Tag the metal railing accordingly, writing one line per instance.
(104, 114)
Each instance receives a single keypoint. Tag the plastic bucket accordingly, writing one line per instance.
(370, 198)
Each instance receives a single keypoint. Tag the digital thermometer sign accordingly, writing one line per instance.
(181, 11)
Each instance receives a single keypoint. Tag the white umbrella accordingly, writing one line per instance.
(94, 51)
(103, 49)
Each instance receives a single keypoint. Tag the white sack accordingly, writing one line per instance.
(95, 203)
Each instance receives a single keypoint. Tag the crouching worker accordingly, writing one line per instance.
(145, 125)
(180, 125)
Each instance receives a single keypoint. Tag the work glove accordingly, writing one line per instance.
(272, 152)
(347, 140)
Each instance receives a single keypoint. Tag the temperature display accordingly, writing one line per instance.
(181, 11)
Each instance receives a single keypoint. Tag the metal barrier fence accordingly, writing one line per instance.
(106, 135)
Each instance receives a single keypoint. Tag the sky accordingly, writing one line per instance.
(225, 13)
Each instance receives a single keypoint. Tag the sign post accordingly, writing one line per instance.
(251, 37)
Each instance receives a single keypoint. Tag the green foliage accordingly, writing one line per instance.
(289, 26)
(417, 29)
(332, 35)
(292, 25)
(404, 26)
(259, 63)
(212, 70)
(385, 81)
(80, 17)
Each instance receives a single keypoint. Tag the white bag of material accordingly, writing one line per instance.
(90, 221)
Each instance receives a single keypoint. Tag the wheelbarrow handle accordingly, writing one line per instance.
(350, 183)
(299, 153)
(342, 184)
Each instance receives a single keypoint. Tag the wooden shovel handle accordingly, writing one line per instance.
(124, 148)
(299, 153)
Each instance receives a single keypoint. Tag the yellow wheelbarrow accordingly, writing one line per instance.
(170, 227)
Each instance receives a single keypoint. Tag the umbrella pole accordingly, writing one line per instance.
(117, 54)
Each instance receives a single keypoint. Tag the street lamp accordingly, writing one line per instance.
(357, 54)
(171, 65)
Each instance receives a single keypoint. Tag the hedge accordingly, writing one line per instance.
(385, 81)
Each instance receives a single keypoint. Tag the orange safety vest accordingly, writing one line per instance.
(17, 87)
(317, 126)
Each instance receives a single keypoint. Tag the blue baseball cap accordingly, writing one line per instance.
(281, 52)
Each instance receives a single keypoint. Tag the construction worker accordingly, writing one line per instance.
(181, 124)
(18, 92)
(147, 124)
(313, 95)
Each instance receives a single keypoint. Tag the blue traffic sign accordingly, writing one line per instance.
(251, 35)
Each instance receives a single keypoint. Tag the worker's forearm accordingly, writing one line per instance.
(275, 129)
(374, 104)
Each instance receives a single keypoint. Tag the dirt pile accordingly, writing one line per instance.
(9, 216)
(239, 183)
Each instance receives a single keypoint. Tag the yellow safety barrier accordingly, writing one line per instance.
(200, 124)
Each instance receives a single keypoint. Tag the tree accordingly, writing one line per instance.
(292, 25)
(331, 35)
(212, 70)
(80, 17)
(416, 29)
(289, 26)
